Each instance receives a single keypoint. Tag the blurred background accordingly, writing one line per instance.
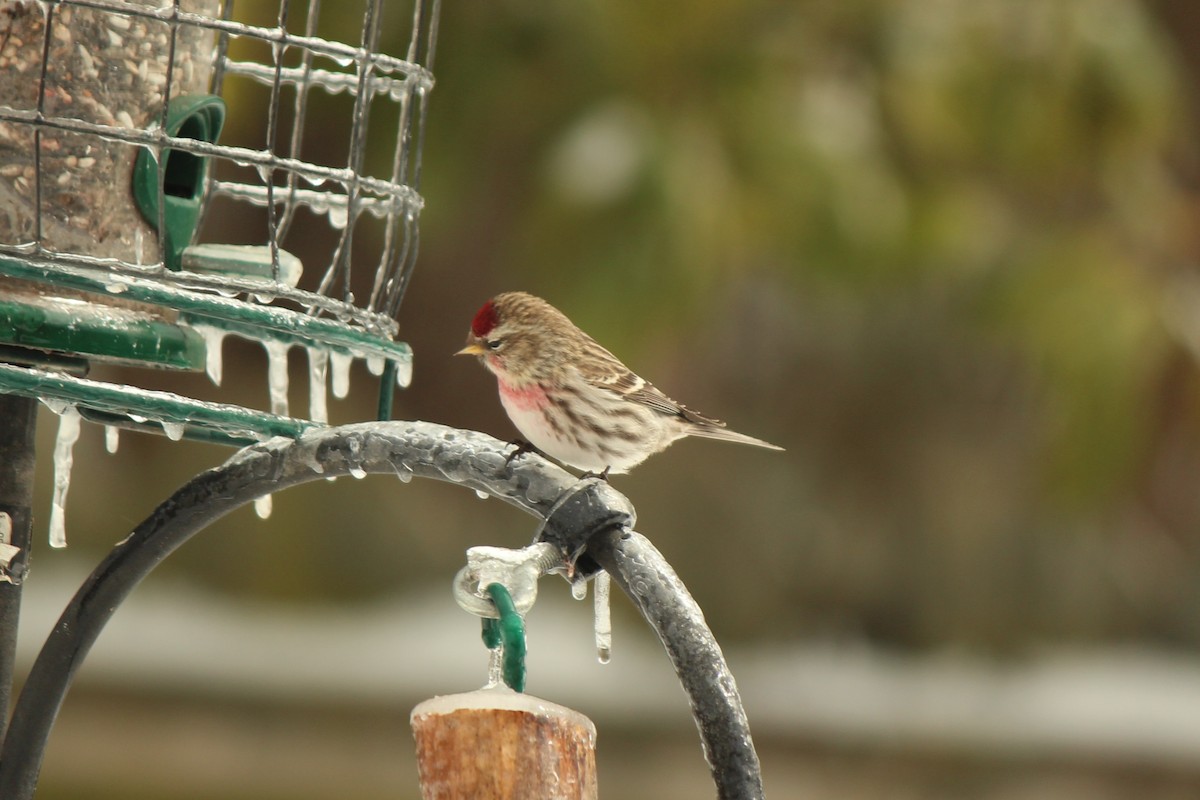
(943, 251)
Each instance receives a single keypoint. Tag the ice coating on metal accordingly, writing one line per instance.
(516, 570)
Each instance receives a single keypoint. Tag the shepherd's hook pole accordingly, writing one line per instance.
(18, 422)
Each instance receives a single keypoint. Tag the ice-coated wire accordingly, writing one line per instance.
(37, 131)
(272, 134)
(339, 269)
(160, 157)
(299, 114)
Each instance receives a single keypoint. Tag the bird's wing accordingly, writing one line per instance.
(603, 370)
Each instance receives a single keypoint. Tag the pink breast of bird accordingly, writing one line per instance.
(527, 399)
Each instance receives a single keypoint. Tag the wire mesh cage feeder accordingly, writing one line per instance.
(112, 157)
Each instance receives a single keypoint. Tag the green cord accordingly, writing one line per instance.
(508, 632)
(387, 391)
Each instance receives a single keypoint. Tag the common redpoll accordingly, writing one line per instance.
(572, 399)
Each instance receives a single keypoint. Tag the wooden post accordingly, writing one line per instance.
(496, 744)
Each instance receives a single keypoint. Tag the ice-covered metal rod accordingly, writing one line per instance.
(404, 449)
(574, 510)
(641, 571)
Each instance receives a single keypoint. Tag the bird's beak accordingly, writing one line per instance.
(472, 349)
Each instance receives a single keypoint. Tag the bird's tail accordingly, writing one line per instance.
(715, 430)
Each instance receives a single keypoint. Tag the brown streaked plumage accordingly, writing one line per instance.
(571, 398)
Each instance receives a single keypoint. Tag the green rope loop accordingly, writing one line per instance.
(507, 632)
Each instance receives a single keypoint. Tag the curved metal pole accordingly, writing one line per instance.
(642, 572)
(574, 511)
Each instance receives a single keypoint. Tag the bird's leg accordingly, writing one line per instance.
(600, 475)
(521, 446)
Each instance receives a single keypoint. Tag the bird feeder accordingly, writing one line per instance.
(118, 144)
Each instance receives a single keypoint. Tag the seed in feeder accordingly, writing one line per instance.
(62, 33)
(63, 179)
(10, 170)
(114, 39)
(86, 162)
(124, 119)
(118, 21)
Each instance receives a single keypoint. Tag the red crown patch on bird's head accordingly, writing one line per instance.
(485, 320)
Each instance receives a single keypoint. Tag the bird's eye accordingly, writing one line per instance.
(493, 344)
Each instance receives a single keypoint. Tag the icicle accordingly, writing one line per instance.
(495, 673)
(68, 433)
(213, 337)
(262, 506)
(579, 588)
(358, 472)
(173, 430)
(112, 438)
(339, 215)
(375, 365)
(404, 474)
(318, 372)
(403, 373)
(277, 375)
(481, 494)
(340, 363)
(603, 617)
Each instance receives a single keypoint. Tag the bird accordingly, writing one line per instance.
(571, 399)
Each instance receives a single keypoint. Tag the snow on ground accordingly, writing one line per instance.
(1133, 705)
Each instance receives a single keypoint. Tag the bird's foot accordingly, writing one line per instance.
(520, 447)
(599, 475)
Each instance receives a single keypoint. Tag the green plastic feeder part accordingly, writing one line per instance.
(199, 117)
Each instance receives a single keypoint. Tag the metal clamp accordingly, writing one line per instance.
(516, 570)
(589, 508)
